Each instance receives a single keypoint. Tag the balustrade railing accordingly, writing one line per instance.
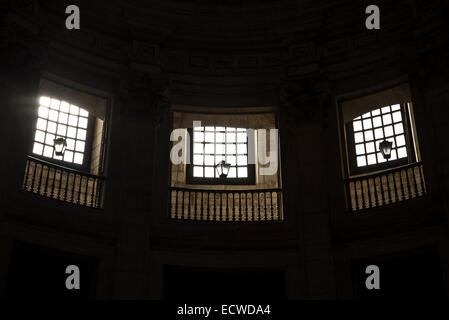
(387, 187)
(225, 205)
(57, 182)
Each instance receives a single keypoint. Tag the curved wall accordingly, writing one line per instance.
(303, 58)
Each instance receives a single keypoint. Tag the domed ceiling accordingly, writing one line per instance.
(222, 27)
(238, 45)
(237, 27)
(231, 34)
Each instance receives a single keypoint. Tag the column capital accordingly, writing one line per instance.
(305, 101)
(144, 96)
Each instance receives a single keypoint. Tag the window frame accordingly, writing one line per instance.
(87, 154)
(190, 179)
(411, 148)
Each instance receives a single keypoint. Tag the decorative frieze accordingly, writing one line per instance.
(173, 59)
(199, 61)
(304, 52)
(366, 39)
(96, 42)
(145, 52)
(336, 48)
(26, 8)
(223, 62)
(251, 62)
(298, 59)
(272, 59)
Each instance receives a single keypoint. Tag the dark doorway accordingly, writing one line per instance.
(39, 273)
(414, 275)
(200, 284)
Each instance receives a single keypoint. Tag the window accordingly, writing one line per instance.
(366, 132)
(60, 119)
(214, 144)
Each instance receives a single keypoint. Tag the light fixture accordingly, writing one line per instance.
(59, 145)
(223, 169)
(385, 148)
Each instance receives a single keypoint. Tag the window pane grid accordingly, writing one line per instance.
(372, 128)
(59, 119)
(214, 144)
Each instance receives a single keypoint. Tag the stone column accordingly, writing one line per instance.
(134, 156)
(429, 85)
(305, 108)
(22, 57)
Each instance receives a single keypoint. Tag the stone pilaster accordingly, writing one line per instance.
(22, 57)
(429, 87)
(305, 106)
(141, 109)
